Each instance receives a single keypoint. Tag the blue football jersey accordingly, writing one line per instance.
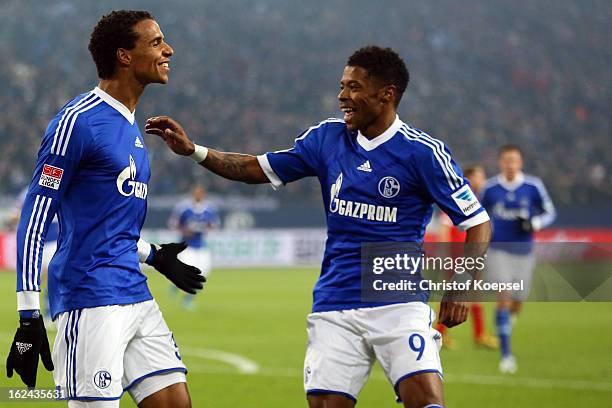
(52, 231)
(378, 190)
(509, 202)
(194, 220)
(92, 172)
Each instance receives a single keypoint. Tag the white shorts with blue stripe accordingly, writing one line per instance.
(343, 346)
(101, 352)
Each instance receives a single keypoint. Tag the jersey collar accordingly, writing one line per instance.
(119, 107)
(511, 185)
(198, 206)
(368, 144)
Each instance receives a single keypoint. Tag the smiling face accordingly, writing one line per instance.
(362, 98)
(149, 60)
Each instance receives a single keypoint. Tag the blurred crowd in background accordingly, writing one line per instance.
(250, 76)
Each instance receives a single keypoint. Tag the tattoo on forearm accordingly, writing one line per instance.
(235, 166)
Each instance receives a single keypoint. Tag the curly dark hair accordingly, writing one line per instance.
(383, 64)
(113, 31)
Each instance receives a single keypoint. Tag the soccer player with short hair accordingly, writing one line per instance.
(92, 171)
(193, 218)
(519, 205)
(379, 178)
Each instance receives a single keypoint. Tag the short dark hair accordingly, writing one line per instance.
(384, 64)
(113, 31)
(509, 148)
(471, 169)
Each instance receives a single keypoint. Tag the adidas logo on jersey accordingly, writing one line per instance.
(138, 143)
(365, 167)
(23, 347)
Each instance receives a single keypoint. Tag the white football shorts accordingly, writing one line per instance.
(506, 267)
(198, 257)
(343, 346)
(101, 352)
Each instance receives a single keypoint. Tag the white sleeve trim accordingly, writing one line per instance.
(144, 249)
(478, 219)
(267, 169)
(28, 300)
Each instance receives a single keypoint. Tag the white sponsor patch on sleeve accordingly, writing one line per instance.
(51, 177)
(466, 200)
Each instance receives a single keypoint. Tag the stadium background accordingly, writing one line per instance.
(249, 76)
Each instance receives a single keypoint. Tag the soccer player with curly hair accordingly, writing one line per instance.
(93, 172)
(379, 179)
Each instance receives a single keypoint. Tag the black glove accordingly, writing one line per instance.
(185, 277)
(30, 341)
(526, 225)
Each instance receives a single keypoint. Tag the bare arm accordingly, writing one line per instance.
(232, 166)
(453, 308)
(478, 237)
(235, 166)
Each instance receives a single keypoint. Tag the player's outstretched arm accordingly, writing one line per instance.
(232, 166)
(454, 307)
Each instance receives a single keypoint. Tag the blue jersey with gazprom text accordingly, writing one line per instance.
(194, 219)
(92, 172)
(509, 203)
(378, 190)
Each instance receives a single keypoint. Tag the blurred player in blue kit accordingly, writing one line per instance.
(518, 205)
(193, 218)
(92, 172)
(379, 179)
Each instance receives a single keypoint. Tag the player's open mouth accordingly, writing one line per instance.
(348, 113)
(165, 65)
